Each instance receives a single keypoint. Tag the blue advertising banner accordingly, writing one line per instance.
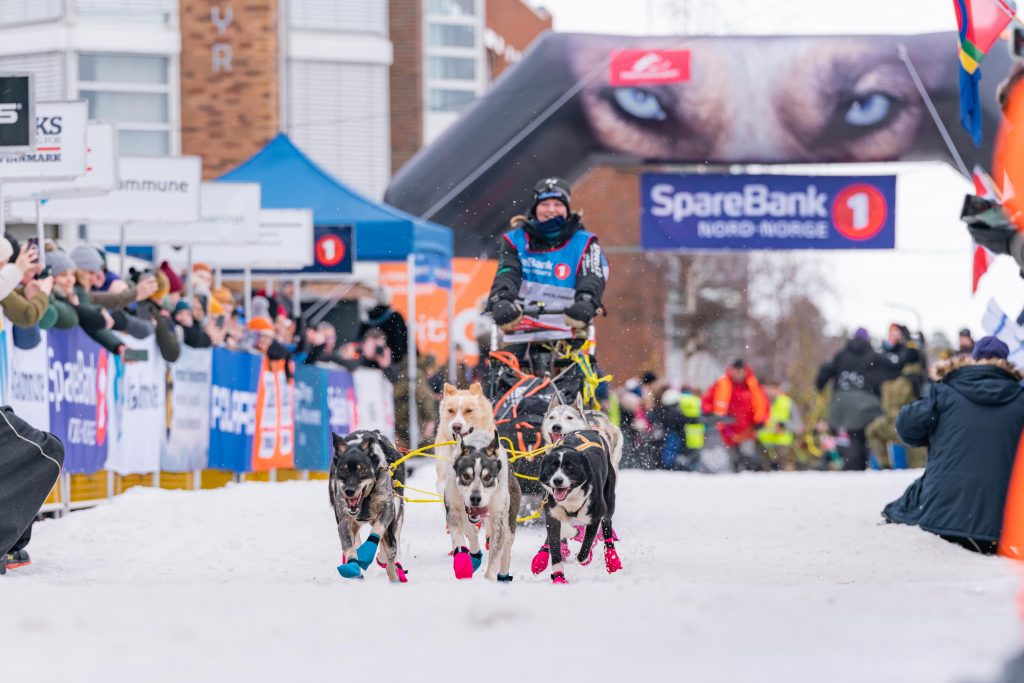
(235, 378)
(77, 377)
(341, 401)
(738, 212)
(312, 431)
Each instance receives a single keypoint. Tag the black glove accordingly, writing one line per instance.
(582, 312)
(505, 312)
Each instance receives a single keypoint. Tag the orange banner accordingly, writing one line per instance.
(274, 445)
(472, 278)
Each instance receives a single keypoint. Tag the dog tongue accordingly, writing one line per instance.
(560, 494)
(478, 512)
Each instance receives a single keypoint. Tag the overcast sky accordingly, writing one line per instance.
(931, 269)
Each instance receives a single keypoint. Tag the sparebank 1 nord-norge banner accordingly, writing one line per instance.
(736, 212)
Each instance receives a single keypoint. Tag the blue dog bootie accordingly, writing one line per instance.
(350, 570)
(477, 559)
(367, 551)
(504, 578)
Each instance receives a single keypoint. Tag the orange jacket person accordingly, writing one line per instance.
(737, 394)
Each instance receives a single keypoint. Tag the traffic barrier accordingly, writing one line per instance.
(213, 417)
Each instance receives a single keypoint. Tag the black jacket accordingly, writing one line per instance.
(857, 373)
(589, 277)
(392, 324)
(971, 422)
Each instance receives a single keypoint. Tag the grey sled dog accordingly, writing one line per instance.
(361, 493)
(481, 487)
(563, 418)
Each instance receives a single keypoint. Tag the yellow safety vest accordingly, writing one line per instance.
(614, 409)
(781, 413)
(690, 405)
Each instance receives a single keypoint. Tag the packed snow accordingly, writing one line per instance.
(778, 577)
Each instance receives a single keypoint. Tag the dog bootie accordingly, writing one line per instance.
(477, 559)
(581, 531)
(402, 578)
(350, 570)
(565, 549)
(540, 560)
(611, 559)
(462, 563)
(558, 577)
(589, 558)
(504, 578)
(367, 551)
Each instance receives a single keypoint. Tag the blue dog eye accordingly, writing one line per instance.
(868, 110)
(640, 104)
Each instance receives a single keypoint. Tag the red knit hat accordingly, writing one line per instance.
(172, 278)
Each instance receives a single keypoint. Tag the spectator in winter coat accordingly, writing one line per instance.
(192, 331)
(737, 394)
(857, 373)
(389, 321)
(966, 344)
(897, 393)
(971, 421)
(669, 429)
(29, 302)
(63, 270)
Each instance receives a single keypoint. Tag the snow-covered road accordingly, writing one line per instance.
(781, 577)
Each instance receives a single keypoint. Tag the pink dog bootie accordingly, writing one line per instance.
(402, 578)
(558, 577)
(540, 560)
(462, 564)
(611, 559)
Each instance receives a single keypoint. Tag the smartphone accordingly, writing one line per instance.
(33, 242)
(45, 273)
(135, 355)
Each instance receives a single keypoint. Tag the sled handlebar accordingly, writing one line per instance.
(535, 309)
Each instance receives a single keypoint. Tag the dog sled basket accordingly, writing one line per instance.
(519, 412)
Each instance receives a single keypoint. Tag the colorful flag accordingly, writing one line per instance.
(979, 22)
(984, 187)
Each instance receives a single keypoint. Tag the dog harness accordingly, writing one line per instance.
(549, 278)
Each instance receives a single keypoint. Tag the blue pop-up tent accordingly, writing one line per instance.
(289, 179)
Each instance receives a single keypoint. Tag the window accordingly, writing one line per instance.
(118, 69)
(136, 11)
(143, 143)
(452, 8)
(133, 92)
(452, 35)
(443, 99)
(453, 68)
(126, 106)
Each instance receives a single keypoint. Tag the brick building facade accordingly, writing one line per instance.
(229, 81)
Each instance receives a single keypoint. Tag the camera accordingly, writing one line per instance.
(992, 228)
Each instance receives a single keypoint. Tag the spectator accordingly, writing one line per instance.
(971, 421)
(856, 374)
(966, 345)
(263, 342)
(897, 393)
(193, 333)
(114, 301)
(374, 351)
(668, 442)
(738, 395)
(322, 345)
(779, 433)
(29, 302)
(63, 270)
(161, 318)
(391, 323)
(895, 344)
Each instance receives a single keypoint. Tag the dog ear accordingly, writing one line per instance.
(556, 399)
(476, 389)
(579, 405)
(337, 440)
(367, 444)
(460, 443)
(449, 389)
(492, 449)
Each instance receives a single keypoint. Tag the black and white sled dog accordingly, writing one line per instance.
(480, 487)
(361, 493)
(578, 476)
(566, 418)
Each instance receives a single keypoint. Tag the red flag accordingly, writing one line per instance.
(984, 187)
(648, 67)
